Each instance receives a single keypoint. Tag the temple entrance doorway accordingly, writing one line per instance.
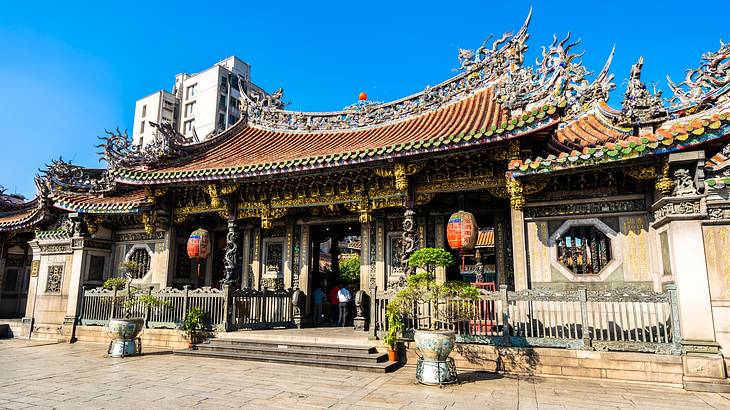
(335, 252)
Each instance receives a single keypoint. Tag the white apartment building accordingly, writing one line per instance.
(200, 105)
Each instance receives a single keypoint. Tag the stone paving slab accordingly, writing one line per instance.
(80, 376)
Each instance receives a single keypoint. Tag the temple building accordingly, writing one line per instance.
(568, 192)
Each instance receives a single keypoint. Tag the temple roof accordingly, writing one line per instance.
(475, 119)
(552, 107)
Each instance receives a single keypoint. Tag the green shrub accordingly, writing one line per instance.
(350, 270)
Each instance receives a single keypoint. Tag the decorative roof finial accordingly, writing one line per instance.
(640, 106)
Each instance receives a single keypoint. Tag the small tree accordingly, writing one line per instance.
(429, 259)
(350, 270)
(129, 301)
(422, 288)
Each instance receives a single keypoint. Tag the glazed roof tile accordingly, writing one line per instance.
(89, 203)
(475, 119)
(672, 136)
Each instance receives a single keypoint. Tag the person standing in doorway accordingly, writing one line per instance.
(334, 302)
(318, 299)
(343, 297)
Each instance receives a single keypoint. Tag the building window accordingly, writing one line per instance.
(55, 278)
(10, 284)
(144, 111)
(189, 126)
(142, 258)
(191, 91)
(232, 120)
(141, 127)
(224, 82)
(189, 107)
(221, 120)
(96, 268)
(584, 250)
(222, 103)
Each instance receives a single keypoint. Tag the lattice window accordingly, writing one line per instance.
(584, 250)
(143, 259)
(55, 278)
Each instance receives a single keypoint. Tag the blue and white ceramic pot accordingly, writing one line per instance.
(124, 334)
(435, 345)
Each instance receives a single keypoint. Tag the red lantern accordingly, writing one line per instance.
(199, 244)
(363, 96)
(461, 231)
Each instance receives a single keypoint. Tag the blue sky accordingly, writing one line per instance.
(70, 70)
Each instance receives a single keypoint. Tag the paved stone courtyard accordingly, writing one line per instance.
(42, 375)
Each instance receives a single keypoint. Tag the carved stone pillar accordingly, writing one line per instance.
(230, 260)
(409, 240)
(246, 259)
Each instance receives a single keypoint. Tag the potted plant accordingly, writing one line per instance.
(395, 325)
(434, 337)
(193, 324)
(125, 330)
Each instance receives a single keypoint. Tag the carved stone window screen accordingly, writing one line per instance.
(143, 259)
(584, 250)
(55, 279)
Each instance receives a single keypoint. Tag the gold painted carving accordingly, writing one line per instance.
(152, 193)
(516, 193)
(458, 183)
(92, 223)
(534, 186)
(218, 192)
(664, 183)
(642, 172)
(149, 220)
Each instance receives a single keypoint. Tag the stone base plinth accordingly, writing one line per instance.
(705, 372)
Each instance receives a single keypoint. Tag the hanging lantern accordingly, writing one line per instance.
(363, 96)
(461, 231)
(199, 244)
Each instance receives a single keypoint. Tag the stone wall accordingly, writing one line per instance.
(717, 255)
(632, 261)
(644, 367)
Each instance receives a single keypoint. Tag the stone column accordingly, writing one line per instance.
(246, 258)
(365, 256)
(379, 243)
(74, 290)
(287, 255)
(519, 248)
(440, 242)
(256, 258)
(704, 367)
(230, 259)
(304, 282)
(409, 240)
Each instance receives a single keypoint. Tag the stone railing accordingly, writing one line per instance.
(626, 319)
(100, 304)
(224, 309)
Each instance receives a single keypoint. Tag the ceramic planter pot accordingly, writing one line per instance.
(435, 345)
(124, 333)
(434, 366)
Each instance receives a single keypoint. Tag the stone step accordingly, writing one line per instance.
(378, 367)
(318, 336)
(310, 353)
(300, 346)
